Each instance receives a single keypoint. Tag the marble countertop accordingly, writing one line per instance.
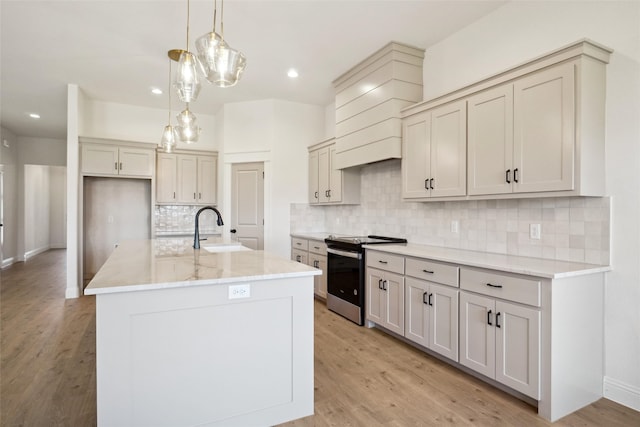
(137, 265)
(314, 235)
(539, 267)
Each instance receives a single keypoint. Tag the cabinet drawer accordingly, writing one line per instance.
(317, 247)
(501, 285)
(300, 256)
(433, 271)
(301, 244)
(387, 262)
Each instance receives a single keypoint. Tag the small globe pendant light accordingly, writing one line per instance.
(187, 82)
(187, 128)
(221, 64)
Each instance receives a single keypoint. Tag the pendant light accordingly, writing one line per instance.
(187, 82)
(187, 128)
(221, 64)
(169, 136)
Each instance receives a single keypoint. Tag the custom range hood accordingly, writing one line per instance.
(369, 98)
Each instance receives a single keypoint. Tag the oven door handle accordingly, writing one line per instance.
(355, 255)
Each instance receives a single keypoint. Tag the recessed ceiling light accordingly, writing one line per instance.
(34, 115)
(156, 91)
(293, 73)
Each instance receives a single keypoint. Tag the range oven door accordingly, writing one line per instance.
(345, 283)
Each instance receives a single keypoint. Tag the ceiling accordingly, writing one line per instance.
(116, 50)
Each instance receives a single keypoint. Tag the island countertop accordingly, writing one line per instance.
(139, 265)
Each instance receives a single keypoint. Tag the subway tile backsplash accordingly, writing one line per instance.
(572, 228)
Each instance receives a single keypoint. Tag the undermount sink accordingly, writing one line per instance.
(225, 247)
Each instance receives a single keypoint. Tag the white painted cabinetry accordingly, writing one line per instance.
(431, 306)
(384, 293)
(434, 156)
(534, 130)
(500, 338)
(328, 185)
(313, 253)
(187, 178)
(117, 158)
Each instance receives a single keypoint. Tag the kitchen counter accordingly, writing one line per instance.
(189, 337)
(539, 267)
(313, 235)
(138, 265)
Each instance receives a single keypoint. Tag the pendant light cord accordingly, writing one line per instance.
(222, 19)
(215, 12)
(169, 91)
(188, 25)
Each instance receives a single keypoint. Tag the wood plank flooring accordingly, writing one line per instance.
(363, 377)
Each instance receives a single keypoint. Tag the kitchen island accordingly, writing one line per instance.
(216, 336)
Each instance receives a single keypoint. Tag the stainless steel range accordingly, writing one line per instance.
(345, 273)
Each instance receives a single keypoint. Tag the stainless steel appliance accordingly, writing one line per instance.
(345, 273)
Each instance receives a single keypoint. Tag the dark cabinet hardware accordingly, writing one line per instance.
(489, 318)
(382, 262)
(380, 284)
(426, 184)
(515, 175)
(497, 319)
(384, 285)
(115, 165)
(233, 230)
(427, 271)
(315, 195)
(429, 299)
(120, 165)
(508, 176)
(425, 298)
(431, 183)
(298, 258)
(494, 286)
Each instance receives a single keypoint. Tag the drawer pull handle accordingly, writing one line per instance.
(489, 318)
(425, 298)
(497, 319)
(427, 271)
(508, 176)
(384, 285)
(429, 299)
(494, 286)
(316, 247)
(382, 262)
(298, 258)
(380, 284)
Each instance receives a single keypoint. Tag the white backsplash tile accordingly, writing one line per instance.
(573, 228)
(181, 220)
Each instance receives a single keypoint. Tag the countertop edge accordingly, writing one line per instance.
(509, 264)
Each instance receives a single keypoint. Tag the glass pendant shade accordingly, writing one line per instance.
(206, 46)
(228, 65)
(187, 128)
(187, 82)
(169, 139)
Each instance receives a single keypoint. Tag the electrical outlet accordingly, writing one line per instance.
(239, 291)
(110, 219)
(535, 231)
(455, 226)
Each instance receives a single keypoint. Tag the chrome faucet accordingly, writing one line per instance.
(196, 236)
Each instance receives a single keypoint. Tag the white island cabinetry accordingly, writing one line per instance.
(178, 341)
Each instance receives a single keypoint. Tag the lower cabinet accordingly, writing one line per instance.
(313, 253)
(501, 340)
(431, 316)
(384, 298)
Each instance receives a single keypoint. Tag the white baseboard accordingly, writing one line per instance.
(7, 262)
(72, 293)
(34, 252)
(622, 393)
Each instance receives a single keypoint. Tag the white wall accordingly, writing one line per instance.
(58, 207)
(520, 31)
(278, 134)
(9, 162)
(141, 124)
(36, 209)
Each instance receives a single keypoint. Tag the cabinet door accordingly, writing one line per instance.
(490, 141)
(416, 311)
(323, 174)
(99, 159)
(166, 177)
(393, 288)
(207, 179)
(335, 177)
(314, 192)
(187, 179)
(477, 333)
(416, 145)
(449, 150)
(518, 348)
(136, 161)
(300, 256)
(544, 139)
(320, 282)
(375, 302)
(443, 335)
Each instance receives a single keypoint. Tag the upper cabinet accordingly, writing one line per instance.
(369, 98)
(535, 130)
(434, 152)
(117, 158)
(187, 178)
(327, 184)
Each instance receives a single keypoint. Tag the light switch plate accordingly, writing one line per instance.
(535, 231)
(455, 226)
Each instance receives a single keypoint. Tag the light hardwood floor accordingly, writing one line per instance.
(363, 377)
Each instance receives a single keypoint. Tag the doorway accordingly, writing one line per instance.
(247, 204)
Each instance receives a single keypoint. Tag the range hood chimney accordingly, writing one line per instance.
(369, 98)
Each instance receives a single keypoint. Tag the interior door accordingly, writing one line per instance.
(247, 204)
